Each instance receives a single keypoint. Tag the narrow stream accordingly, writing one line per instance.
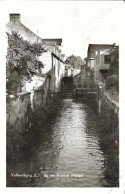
(67, 154)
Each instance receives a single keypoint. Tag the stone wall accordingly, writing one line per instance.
(16, 108)
(46, 58)
(109, 114)
(108, 131)
(110, 101)
(26, 114)
(16, 118)
(38, 97)
(41, 97)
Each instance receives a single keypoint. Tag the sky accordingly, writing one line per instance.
(78, 23)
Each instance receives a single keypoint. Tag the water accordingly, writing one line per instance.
(67, 153)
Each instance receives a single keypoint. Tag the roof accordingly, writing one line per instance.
(99, 47)
(24, 31)
(15, 25)
(52, 41)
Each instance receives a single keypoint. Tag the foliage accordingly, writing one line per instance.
(12, 82)
(90, 84)
(75, 61)
(114, 68)
(112, 82)
(22, 60)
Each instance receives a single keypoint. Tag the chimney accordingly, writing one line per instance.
(114, 45)
(15, 17)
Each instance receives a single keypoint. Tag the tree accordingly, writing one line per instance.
(112, 81)
(75, 61)
(22, 60)
(114, 68)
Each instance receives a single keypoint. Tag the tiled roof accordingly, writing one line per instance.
(23, 30)
(100, 46)
(52, 41)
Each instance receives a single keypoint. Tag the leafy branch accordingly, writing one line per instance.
(22, 60)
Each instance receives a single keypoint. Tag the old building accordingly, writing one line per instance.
(99, 59)
(70, 71)
(52, 59)
(89, 66)
(57, 60)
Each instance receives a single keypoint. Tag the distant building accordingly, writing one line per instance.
(57, 61)
(70, 71)
(99, 59)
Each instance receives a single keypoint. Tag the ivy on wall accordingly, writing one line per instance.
(114, 68)
(112, 81)
(22, 61)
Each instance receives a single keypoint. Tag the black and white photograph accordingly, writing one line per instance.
(62, 69)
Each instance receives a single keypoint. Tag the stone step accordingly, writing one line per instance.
(68, 96)
(68, 89)
(68, 86)
(68, 83)
(65, 87)
(65, 92)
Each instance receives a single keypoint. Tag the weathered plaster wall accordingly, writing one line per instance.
(16, 108)
(41, 97)
(25, 119)
(35, 83)
(109, 109)
(38, 97)
(109, 100)
(47, 61)
(17, 118)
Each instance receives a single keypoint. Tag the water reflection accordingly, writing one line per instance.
(68, 146)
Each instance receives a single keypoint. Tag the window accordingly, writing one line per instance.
(107, 58)
(72, 72)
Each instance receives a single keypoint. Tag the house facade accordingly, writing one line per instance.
(70, 71)
(101, 60)
(56, 59)
(53, 60)
(89, 66)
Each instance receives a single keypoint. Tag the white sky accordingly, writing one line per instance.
(78, 23)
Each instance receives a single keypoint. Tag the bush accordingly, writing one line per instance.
(13, 82)
(114, 67)
(112, 82)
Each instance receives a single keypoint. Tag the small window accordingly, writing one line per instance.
(107, 58)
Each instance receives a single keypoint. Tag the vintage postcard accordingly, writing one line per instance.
(63, 62)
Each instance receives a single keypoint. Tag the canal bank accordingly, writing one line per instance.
(76, 132)
(70, 144)
(27, 113)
